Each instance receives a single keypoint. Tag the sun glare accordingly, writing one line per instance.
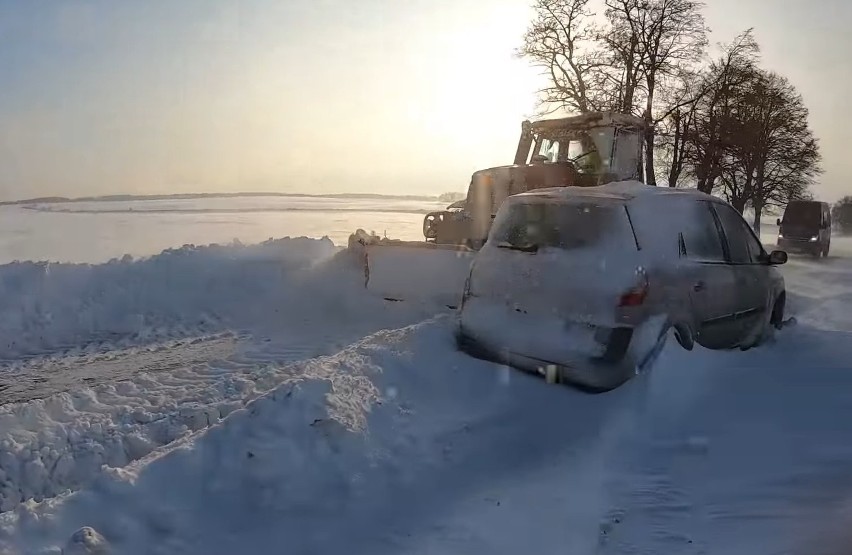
(479, 90)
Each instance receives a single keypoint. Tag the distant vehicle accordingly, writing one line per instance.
(805, 227)
(585, 283)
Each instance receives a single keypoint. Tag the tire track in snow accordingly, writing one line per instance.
(143, 399)
(46, 376)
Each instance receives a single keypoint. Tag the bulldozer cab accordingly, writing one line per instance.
(602, 146)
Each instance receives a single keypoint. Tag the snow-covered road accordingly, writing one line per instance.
(351, 424)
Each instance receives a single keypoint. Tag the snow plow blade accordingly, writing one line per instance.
(412, 270)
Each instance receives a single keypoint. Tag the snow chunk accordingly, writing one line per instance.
(86, 541)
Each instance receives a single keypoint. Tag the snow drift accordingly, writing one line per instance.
(186, 291)
(344, 441)
(369, 450)
(112, 402)
(397, 442)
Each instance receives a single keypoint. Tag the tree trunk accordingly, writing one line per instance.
(758, 208)
(738, 204)
(674, 168)
(629, 81)
(650, 177)
(758, 200)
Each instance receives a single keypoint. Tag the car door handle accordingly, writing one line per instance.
(699, 286)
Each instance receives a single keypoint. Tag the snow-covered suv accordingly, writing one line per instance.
(584, 283)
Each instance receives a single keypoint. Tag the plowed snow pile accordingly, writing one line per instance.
(214, 327)
(305, 416)
(400, 444)
(82, 308)
(346, 442)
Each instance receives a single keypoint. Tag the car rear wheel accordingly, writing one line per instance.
(776, 319)
(774, 322)
(684, 336)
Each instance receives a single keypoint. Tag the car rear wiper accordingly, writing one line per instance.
(532, 247)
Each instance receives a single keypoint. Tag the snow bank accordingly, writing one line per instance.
(181, 292)
(398, 443)
(344, 443)
(60, 443)
(401, 444)
(99, 405)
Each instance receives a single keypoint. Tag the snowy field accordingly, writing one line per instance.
(98, 231)
(253, 398)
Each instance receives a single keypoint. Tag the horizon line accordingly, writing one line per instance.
(165, 196)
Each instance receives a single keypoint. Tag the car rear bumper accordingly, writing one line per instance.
(598, 356)
(600, 373)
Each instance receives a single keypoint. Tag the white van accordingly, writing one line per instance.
(587, 281)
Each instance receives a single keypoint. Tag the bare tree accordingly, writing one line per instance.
(675, 123)
(786, 154)
(670, 35)
(841, 214)
(624, 46)
(770, 154)
(730, 127)
(720, 86)
(563, 41)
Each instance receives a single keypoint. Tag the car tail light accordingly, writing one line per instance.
(636, 295)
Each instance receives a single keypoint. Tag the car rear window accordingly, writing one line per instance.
(532, 225)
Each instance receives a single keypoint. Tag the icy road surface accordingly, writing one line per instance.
(283, 438)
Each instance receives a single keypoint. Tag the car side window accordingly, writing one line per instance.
(742, 245)
(755, 249)
(701, 238)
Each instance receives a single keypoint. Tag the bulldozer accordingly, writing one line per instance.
(578, 151)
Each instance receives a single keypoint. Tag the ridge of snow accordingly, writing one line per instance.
(401, 443)
(193, 290)
(99, 405)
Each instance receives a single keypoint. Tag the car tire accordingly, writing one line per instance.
(774, 322)
(776, 318)
(684, 336)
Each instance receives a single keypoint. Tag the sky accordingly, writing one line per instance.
(316, 96)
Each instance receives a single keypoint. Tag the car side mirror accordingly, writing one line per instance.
(778, 221)
(777, 258)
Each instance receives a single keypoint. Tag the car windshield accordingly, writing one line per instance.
(567, 226)
(802, 213)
